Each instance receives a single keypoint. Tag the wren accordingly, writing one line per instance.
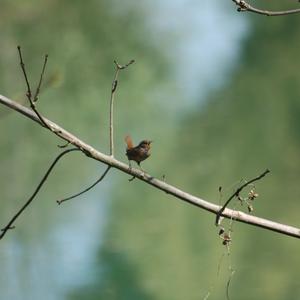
(137, 153)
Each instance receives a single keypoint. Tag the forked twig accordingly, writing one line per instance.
(29, 92)
(236, 194)
(245, 6)
(87, 189)
(14, 218)
(112, 96)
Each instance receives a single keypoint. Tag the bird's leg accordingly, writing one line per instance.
(141, 169)
(129, 163)
(130, 167)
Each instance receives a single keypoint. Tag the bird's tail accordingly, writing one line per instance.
(129, 142)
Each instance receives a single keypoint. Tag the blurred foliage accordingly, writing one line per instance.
(156, 247)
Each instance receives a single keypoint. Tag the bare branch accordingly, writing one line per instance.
(237, 193)
(161, 185)
(87, 189)
(245, 6)
(14, 218)
(112, 96)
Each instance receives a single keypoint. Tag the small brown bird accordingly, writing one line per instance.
(137, 153)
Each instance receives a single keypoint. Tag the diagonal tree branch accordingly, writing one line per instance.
(161, 185)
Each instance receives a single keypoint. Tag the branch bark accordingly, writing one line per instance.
(158, 184)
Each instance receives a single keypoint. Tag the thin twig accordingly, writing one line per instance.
(37, 92)
(29, 92)
(158, 184)
(245, 6)
(237, 192)
(13, 219)
(112, 96)
(87, 189)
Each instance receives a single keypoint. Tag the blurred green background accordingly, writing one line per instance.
(219, 94)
